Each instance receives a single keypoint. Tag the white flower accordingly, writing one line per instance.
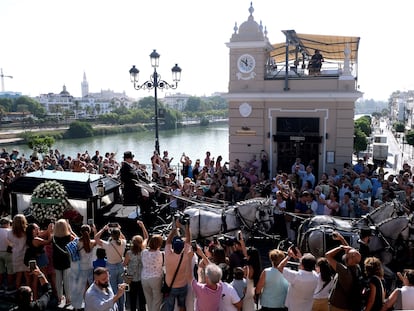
(52, 190)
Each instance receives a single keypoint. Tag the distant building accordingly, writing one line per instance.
(176, 101)
(56, 103)
(89, 105)
(16, 116)
(10, 94)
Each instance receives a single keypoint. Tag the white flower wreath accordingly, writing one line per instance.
(49, 201)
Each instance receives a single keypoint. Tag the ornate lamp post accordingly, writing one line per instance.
(155, 83)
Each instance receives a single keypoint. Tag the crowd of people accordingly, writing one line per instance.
(230, 275)
(223, 275)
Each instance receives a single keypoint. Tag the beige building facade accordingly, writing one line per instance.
(277, 104)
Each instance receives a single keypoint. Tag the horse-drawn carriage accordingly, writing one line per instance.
(390, 236)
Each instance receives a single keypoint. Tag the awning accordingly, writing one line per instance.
(331, 47)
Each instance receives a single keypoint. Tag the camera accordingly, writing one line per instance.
(90, 221)
(32, 265)
(113, 225)
(183, 219)
(127, 287)
(227, 241)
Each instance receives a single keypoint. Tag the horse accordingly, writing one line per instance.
(253, 215)
(388, 237)
(315, 234)
(385, 211)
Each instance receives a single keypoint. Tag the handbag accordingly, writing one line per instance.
(165, 288)
(71, 249)
(127, 278)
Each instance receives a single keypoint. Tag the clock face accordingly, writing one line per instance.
(245, 110)
(246, 63)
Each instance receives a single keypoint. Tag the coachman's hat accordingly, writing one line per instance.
(128, 155)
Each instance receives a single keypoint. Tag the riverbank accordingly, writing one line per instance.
(14, 135)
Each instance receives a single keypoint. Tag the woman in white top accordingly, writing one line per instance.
(133, 262)
(402, 298)
(152, 273)
(81, 275)
(115, 249)
(17, 238)
(324, 286)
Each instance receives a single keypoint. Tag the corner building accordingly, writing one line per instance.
(278, 104)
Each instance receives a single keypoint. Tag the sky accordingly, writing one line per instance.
(46, 44)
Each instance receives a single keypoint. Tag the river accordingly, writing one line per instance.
(194, 141)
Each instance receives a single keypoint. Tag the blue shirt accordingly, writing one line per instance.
(275, 289)
(97, 299)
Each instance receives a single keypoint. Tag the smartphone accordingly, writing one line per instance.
(90, 221)
(113, 225)
(194, 245)
(127, 287)
(32, 265)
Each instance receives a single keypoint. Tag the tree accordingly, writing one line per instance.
(79, 129)
(171, 118)
(76, 108)
(409, 137)
(109, 118)
(193, 104)
(147, 103)
(97, 108)
(31, 105)
(360, 140)
(6, 104)
(364, 124)
(377, 115)
(399, 127)
(40, 144)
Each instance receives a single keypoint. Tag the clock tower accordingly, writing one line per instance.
(249, 51)
(281, 111)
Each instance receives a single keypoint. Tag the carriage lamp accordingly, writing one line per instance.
(100, 188)
(155, 82)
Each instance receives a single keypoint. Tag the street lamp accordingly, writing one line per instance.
(155, 83)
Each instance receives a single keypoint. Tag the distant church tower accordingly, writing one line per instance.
(85, 86)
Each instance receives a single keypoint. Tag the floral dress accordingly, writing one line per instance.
(151, 278)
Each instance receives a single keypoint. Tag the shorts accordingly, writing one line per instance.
(6, 263)
(42, 260)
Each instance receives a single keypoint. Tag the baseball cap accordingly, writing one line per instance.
(177, 244)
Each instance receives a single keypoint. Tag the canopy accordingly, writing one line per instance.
(331, 47)
(77, 185)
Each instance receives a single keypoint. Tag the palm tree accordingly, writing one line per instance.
(97, 108)
(76, 109)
